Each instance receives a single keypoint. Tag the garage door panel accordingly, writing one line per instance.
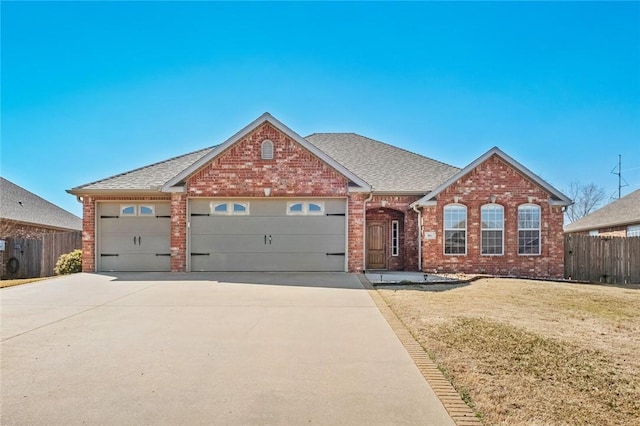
(268, 208)
(135, 262)
(267, 262)
(135, 226)
(308, 243)
(143, 244)
(238, 243)
(205, 225)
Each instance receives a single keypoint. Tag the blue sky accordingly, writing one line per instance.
(93, 89)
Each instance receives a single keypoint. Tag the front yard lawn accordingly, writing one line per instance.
(532, 352)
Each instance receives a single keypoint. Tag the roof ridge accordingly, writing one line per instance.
(145, 167)
(386, 144)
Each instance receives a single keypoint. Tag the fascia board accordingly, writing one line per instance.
(113, 192)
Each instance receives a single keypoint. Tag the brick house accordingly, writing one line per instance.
(268, 199)
(23, 214)
(620, 218)
(25, 217)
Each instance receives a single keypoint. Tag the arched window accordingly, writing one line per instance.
(267, 150)
(455, 229)
(492, 229)
(529, 229)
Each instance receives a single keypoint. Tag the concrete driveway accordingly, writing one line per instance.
(215, 349)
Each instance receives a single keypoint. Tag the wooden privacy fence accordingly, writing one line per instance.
(31, 258)
(614, 260)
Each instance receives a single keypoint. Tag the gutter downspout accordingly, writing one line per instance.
(415, 209)
(364, 231)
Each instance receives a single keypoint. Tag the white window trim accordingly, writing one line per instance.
(137, 210)
(267, 153)
(445, 229)
(395, 240)
(229, 211)
(305, 208)
(492, 229)
(126, 206)
(594, 233)
(149, 206)
(539, 229)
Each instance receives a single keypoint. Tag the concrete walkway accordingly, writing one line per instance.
(229, 349)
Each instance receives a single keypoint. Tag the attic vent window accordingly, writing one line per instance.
(267, 150)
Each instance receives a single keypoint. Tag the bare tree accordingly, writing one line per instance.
(586, 199)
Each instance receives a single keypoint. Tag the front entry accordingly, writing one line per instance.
(376, 256)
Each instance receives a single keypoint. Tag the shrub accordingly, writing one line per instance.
(69, 263)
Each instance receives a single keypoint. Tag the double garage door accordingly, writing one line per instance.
(267, 235)
(226, 235)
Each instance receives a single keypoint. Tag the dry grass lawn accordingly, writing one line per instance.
(10, 283)
(531, 352)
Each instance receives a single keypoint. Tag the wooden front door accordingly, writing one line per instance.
(376, 247)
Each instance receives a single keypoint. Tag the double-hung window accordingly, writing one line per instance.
(529, 229)
(492, 229)
(455, 229)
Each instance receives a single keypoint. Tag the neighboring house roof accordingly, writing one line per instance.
(266, 117)
(145, 179)
(18, 204)
(385, 167)
(557, 198)
(623, 211)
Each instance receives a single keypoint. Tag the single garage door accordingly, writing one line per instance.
(134, 237)
(267, 235)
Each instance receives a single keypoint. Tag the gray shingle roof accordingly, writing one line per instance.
(624, 211)
(16, 203)
(147, 178)
(383, 166)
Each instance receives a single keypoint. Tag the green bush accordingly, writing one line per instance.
(69, 263)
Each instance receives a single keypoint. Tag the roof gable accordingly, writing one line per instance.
(175, 184)
(18, 204)
(623, 211)
(556, 197)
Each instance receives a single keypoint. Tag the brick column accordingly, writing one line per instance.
(356, 231)
(88, 234)
(178, 232)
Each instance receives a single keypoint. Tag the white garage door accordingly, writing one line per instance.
(134, 237)
(267, 235)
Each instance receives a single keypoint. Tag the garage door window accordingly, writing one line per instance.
(147, 210)
(305, 208)
(232, 208)
(137, 210)
(128, 210)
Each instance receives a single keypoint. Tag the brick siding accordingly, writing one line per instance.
(391, 207)
(494, 177)
(241, 172)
